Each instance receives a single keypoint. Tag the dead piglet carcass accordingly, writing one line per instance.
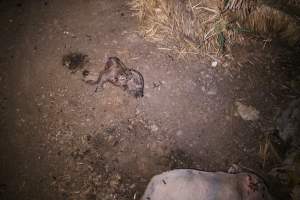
(118, 74)
(188, 184)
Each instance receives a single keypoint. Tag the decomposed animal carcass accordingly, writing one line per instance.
(118, 74)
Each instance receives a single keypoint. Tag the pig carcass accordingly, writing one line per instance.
(188, 184)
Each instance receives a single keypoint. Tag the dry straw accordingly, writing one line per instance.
(270, 20)
(208, 26)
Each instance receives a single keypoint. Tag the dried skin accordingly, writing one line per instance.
(118, 74)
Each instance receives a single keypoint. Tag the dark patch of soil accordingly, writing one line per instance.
(74, 61)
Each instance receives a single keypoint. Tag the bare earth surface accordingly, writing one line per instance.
(60, 140)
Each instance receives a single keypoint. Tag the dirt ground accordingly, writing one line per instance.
(61, 140)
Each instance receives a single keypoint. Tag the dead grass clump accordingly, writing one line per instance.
(197, 26)
(269, 150)
(192, 26)
(266, 20)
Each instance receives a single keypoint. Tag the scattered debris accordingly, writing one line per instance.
(115, 181)
(180, 159)
(246, 112)
(157, 84)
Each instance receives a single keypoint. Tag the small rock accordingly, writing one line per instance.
(154, 128)
(212, 92)
(130, 127)
(214, 63)
(247, 113)
(137, 112)
(115, 181)
(179, 133)
(157, 85)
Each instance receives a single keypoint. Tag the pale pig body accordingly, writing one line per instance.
(187, 184)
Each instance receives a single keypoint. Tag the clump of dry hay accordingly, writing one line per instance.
(192, 26)
(269, 151)
(198, 26)
(267, 19)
